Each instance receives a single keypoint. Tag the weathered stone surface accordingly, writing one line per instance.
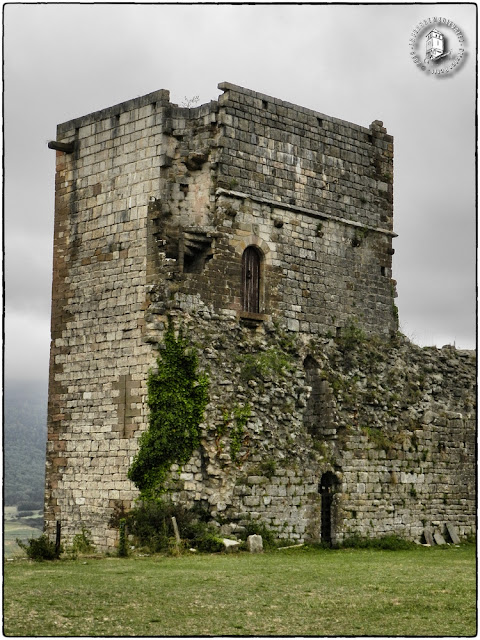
(452, 532)
(255, 543)
(154, 210)
(439, 539)
(427, 532)
(230, 545)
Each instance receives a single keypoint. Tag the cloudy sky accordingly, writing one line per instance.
(352, 62)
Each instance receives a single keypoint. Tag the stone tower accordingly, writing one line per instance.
(435, 44)
(257, 224)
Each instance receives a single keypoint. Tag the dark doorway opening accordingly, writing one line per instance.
(327, 488)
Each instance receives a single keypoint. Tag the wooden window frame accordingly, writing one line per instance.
(252, 279)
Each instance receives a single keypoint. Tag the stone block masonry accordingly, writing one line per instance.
(266, 230)
(99, 362)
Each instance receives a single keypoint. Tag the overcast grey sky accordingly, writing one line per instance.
(352, 62)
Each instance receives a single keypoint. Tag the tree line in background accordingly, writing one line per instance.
(24, 443)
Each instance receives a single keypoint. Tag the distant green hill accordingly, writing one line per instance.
(24, 443)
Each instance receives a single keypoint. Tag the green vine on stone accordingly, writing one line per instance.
(263, 365)
(177, 397)
(241, 415)
(122, 542)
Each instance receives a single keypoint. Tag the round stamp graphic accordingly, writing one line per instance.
(437, 46)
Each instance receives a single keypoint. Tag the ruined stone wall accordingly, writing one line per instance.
(391, 423)
(155, 207)
(315, 199)
(405, 441)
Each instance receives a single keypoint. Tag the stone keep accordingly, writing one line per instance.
(265, 229)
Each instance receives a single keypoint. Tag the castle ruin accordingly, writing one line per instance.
(265, 229)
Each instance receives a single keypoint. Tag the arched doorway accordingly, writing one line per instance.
(251, 274)
(328, 486)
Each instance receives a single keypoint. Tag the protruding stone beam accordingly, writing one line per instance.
(66, 147)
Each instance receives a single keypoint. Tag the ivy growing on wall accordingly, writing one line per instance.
(177, 397)
(234, 423)
(241, 416)
(272, 363)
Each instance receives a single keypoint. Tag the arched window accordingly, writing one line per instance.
(251, 279)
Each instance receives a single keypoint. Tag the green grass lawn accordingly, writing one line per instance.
(423, 592)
